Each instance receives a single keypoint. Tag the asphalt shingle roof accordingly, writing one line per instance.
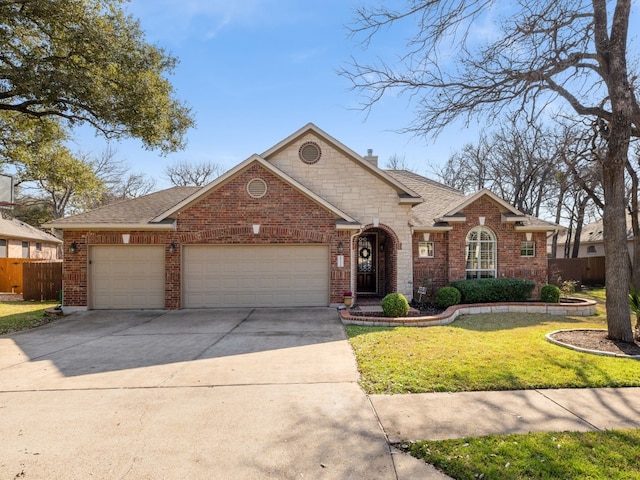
(13, 228)
(136, 210)
(437, 196)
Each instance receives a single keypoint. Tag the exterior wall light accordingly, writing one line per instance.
(172, 247)
(73, 248)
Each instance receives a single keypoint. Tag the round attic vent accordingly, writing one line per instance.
(257, 188)
(309, 152)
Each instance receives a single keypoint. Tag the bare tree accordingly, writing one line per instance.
(183, 173)
(397, 162)
(120, 183)
(543, 50)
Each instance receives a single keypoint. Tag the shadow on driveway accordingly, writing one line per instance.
(185, 347)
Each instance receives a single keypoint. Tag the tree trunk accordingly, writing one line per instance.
(615, 250)
(582, 206)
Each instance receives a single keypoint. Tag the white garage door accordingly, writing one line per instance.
(256, 276)
(125, 276)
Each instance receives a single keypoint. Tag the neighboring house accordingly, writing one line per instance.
(591, 240)
(297, 225)
(21, 240)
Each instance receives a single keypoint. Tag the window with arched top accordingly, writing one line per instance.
(480, 253)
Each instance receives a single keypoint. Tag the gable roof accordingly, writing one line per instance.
(186, 202)
(17, 229)
(133, 213)
(437, 196)
(406, 194)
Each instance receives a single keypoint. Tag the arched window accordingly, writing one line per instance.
(480, 253)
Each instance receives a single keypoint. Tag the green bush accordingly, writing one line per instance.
(550, 294)
(395, 305)
(448, 296)
(493, 290)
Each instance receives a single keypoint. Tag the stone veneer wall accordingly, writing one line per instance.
(346, 184)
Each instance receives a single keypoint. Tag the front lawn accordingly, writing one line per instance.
(483, 352)
(15, 316)
(611, 454)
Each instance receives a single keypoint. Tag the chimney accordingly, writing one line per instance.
(371, 158)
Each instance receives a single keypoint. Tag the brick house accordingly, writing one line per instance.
(295, 226)
(21, 240)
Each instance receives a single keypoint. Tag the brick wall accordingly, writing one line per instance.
(225, 216)
(448, 263)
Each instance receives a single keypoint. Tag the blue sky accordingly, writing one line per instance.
(255, 71)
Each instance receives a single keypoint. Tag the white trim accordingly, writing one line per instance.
(237, 170)
(115, 226)
(310, 127)
(469, 199)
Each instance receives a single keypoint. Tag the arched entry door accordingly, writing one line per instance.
(367, 268)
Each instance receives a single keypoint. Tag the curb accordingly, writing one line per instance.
(583, 308)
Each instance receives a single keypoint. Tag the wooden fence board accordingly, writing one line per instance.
(42, 280)
(11, 274)
(586, 270)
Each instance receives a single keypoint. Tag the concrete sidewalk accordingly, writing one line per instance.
(437, 416)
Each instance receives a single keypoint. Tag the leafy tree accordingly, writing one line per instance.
(61, 177)
(183, 173)
(86, 61)
(543, 53)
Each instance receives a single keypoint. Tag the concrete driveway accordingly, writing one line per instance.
(215, 394)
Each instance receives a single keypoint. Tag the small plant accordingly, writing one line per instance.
(448, 296)
(550, 294)
(568, 286)
(395, 305)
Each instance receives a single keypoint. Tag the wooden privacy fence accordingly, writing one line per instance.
(35, 279)
(587, 270)
(42, 280)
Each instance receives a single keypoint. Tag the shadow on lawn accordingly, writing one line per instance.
(491, 322)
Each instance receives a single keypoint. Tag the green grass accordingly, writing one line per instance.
(594, 455)
(500, 352)
(484, 352)
(16, 316)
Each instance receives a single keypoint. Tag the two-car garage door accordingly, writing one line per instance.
(128, 276)
(255, 275)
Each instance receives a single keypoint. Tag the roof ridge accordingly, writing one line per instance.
(422, 178)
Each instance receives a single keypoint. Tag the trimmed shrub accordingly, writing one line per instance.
(448, 296)
(550, 294)
(395, 305)
(493, 290)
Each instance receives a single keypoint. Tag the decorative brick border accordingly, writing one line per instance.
(585, 308)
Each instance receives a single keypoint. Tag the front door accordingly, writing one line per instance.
(367, 265)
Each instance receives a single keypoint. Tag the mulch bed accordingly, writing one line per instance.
(424, 310)
(596, 340)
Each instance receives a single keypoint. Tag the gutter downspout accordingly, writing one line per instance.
(353, 260)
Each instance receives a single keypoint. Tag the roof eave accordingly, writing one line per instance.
(431, 228)
(166, 226)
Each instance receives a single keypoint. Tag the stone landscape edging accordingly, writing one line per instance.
(583, 308)
(549, 338)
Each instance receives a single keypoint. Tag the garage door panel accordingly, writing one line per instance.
(243, 275)
(127, 277)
